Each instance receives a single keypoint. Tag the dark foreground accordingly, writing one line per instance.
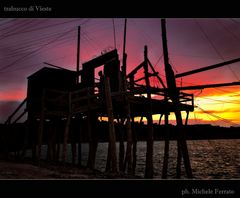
(10, 169)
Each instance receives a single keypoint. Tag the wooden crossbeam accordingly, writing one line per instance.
(207, 68)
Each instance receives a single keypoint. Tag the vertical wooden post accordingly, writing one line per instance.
(58, 140)
(174, 95)
(112, 136)
(186, 121)
(93, 139)
(80, 145)
(166, 148)
(28, 132)
(50, 141)
(54, 139)
(90, 163)
(134, 146)
(79, 154)
(66, 131)
(160, 119)
(74, 151)
(78, 52)
(121, 145)
(74, 144)
(128, 156)
(179, 155)
(179, 160)
(41, 127)
(182, 146)
(149, 154)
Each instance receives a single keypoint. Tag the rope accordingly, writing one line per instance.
(214, 47)
(114, 34)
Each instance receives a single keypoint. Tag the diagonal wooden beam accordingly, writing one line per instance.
(207, 68)
(208, 86)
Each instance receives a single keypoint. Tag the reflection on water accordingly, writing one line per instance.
(210, 159)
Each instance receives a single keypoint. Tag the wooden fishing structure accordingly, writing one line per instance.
(61, 104)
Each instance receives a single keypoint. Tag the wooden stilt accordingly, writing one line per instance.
(40, 130)
(92, 135)
(121, 146)
(128, 156)
(166, 148)
(65, 139)
(182, 145)
(179, 155)
(108, 164)
(93, 141)
(54, 138)
(79, 154)
(80, 145)
(66, 131)
(149, 154)
(134, 147)
(174, 95)
(160, 119)
(50, 142)
(58, 150)
(58, 140)
(112, 138)
(73, 146)
(27, 134)
(186, 121)
(74, 152)
(179, 160)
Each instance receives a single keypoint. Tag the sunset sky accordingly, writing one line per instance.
(192, 43)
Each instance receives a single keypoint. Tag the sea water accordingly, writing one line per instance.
(210, 159)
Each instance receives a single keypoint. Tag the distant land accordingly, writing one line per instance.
(12, 136)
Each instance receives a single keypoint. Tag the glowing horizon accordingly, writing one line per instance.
(187, 45)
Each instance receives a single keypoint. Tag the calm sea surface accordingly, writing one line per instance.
(210, 159)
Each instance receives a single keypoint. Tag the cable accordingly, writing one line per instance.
(213, 46)
(114, 34)
(160, 58)
(217, 117)
(27, 55)
(221, 101)
(44, 27)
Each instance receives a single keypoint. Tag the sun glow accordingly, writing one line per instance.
(212, 109)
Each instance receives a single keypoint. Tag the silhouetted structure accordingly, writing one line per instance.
(60, 109)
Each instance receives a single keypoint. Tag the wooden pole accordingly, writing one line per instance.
(80, 145)
(74, 144)
(166, 148)
(54, 125)
(128, 156)
(121, 145)
(112, 135)
(174, 95)
(93, 139)
(207, 68)
(28, 130)
(149, 154)
(179, 160)
(8, 121)
(50, 141)
(74, 151)
(160, 119)
(78, 52)
(134, 146)
(41, 127)
(66, 131)
(179, 154)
